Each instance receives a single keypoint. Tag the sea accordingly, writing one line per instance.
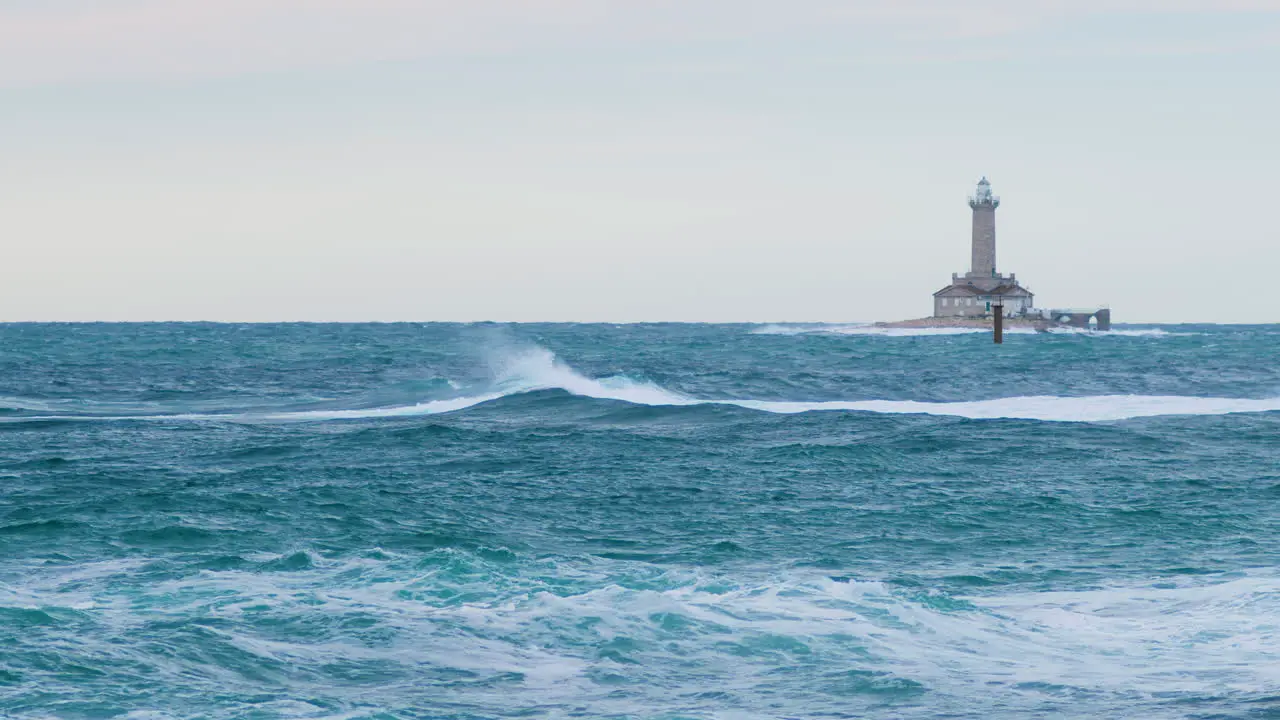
(641, 521)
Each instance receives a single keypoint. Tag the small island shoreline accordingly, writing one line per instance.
(965, 322)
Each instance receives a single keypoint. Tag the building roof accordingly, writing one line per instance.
(973, 290)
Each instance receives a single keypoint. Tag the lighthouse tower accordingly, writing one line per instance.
(982, 270)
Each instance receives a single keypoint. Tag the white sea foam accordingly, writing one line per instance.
(433, 407)
(1204, 639)
(1096, 408)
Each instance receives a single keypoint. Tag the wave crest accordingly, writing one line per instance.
(537, 369)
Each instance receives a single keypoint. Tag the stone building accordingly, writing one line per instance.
(974, 293)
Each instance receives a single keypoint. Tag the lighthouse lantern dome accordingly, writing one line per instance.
(982, 197)
(983, 193)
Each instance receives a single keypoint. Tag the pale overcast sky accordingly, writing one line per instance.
(624, 160)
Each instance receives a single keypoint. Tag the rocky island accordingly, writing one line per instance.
(970, 299)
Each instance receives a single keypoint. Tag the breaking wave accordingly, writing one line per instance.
(539, 369)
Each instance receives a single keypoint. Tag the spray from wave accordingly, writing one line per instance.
(539, 369)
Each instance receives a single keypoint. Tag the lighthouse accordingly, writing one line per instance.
(983, 268)
(983, 288)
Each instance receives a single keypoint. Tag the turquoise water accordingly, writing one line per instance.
(640, 521)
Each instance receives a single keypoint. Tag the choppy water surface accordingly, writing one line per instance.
(649, 521)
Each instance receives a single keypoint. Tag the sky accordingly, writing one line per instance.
(637, 160)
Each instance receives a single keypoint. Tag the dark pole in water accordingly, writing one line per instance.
(998, 316)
